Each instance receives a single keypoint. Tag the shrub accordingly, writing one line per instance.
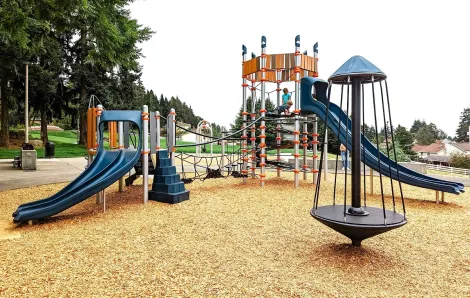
(460, 160)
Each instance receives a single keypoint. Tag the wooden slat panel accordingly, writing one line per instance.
(279, 62)
(268, 61)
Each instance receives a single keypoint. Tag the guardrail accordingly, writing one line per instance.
(451, 170)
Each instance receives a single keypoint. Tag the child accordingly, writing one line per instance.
(286, 96)
(284, 108)
(286, 103)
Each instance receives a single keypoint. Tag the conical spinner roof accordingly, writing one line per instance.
(357, 66)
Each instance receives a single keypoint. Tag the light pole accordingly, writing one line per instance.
(26, 113)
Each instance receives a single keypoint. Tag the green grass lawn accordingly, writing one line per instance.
(66, 146)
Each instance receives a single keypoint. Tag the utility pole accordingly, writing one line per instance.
(26, 116)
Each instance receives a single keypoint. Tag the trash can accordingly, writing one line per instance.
(50, 150)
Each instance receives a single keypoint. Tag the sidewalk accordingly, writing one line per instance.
(48, 171)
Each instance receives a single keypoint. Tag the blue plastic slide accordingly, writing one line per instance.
(387, 167)
(107, 168)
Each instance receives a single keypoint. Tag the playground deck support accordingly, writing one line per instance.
(171, 135)
(244, 113)
(315, 126)
(157, 118)
(278, 126)
(145, 152)
(263, 113)
(121, 146)
(305, 137)
(222, 158)
(315, 150)
(253, 127)
(99, 110)
(297, 111)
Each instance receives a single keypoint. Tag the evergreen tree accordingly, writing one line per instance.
(464, 125)
(417, 124)
(405, 139)
(425, 135)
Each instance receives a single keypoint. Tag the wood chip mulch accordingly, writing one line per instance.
(232, 239)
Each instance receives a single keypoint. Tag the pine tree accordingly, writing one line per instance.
(464, 125)
(405, 139)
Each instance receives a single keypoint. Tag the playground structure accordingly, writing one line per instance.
(356, 220)
(203, 124)
(277, 68)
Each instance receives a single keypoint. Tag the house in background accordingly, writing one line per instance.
(465, 147)
(440, 151)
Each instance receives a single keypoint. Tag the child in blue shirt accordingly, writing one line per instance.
(286, 102)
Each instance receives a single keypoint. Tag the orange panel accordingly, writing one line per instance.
(112, 134)
(283, 62)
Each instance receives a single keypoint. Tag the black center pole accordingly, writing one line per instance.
(356, 208)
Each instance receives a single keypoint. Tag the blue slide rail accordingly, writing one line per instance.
(387, 167)
(107, 168)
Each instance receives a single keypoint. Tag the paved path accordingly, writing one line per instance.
(48, 171)
(66, 169)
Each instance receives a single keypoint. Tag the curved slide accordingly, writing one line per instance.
(369, 155)
(107, 168)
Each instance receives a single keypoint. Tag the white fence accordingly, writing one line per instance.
(450, 170)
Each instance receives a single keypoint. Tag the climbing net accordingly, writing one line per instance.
(206, 167)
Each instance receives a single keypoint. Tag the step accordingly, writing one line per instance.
(169, 198)
(168, 188)
(167, 179)
(163, 162)
(162, 171)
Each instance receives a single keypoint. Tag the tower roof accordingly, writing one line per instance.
(357, 66)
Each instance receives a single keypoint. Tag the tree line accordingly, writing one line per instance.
(74, 49)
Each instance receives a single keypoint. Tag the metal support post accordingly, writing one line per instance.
(145, 152)
(297, 111)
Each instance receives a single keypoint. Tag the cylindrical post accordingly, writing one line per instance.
(26, 106)
(171, 124)
(253, 127)
(356, 208)
(212, 144)
(99, 110)
(278, 126)
(157, 117)
(356, 143)
(262, 127)
(325, 156)
(371, 181)
(315, 150)
(121, 147)
(145, 152)
(305, 145)
(198, 139)
(222, 159)
(244, 114)
(297, 111)
(315, 126)
(305, 135)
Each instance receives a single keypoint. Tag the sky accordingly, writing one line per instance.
(422, 47)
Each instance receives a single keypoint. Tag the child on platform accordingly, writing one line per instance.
(286, 103)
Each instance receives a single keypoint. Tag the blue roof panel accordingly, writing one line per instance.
(357, 66)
